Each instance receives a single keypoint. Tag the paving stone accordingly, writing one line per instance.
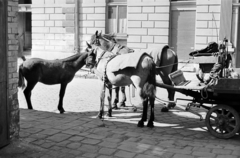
(76, 138)
(49, 132)
(145, 156)
(108, 144)
(88, 148)
(63, 143)
(76, 152)
(74, 145)
(138, 148)
(90, 155)
(228, 156)
(179, 151)
(236, 152)
(124, 154)
(104, 156)
(90, 141)
(114, 140)
(47, 145)
(202, 149)
(59, 137)
(106, 151)
(222, 151)
(182, 156)
(203, 154)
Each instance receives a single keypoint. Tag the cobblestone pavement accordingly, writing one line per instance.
(78, 134)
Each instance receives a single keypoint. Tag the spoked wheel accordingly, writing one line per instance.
(223, 121)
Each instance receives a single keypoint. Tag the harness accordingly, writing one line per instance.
(104, 74)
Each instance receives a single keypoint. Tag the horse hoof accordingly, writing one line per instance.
(115, 107)
(109, 115)
(61, 111)
(164, 109)
(134, 109)
(150, 125)
(99, 116)
(122, 104)
(140, 124)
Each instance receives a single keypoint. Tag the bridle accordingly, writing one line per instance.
(97, 42)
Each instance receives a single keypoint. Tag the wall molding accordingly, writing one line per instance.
(52, 5)
(92, 4)
(191, 5)
(144, 4)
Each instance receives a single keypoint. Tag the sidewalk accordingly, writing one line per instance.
(78, 134)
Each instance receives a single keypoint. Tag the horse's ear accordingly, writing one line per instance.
(89, 46)
(96, 33)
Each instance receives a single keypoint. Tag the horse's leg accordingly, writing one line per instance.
(144, 113)
(109, 97)
(102, 97)
(61, 95)
(122, 103)
(116, 98)
(171, 93)
(28, 92)
(150, 122)
(145, 108)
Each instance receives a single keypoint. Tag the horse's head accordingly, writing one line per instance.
(104, 41)
(91, 59)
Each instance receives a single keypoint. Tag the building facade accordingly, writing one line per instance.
(9, 107)
(184, 25)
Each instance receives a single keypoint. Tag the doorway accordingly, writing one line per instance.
(24, 27)
(182, 29)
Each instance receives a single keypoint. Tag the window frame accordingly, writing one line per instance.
(122, 36)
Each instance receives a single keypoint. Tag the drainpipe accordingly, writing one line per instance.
(77, 47)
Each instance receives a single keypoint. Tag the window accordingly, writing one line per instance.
(117, 17)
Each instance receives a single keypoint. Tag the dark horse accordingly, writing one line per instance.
(51, 72)
(166, 60)
(142, 77)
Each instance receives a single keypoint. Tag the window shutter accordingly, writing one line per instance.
(225, 19)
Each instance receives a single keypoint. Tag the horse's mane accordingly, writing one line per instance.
(71, 58)
(111, 37)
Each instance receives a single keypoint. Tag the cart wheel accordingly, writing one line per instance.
(223, 121)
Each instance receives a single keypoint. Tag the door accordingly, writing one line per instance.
(183, 32)
(28, 31)
(4, 125)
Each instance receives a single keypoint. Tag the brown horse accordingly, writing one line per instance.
(166, 60)
(142, 77)
(52, 72)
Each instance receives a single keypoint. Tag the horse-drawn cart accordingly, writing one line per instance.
(222, 100)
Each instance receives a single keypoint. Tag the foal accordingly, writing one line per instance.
(51, 72)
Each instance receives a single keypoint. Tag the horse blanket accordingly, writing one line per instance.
(125, 60)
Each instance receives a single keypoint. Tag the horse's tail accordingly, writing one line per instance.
(21, 82)
(149, 88)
